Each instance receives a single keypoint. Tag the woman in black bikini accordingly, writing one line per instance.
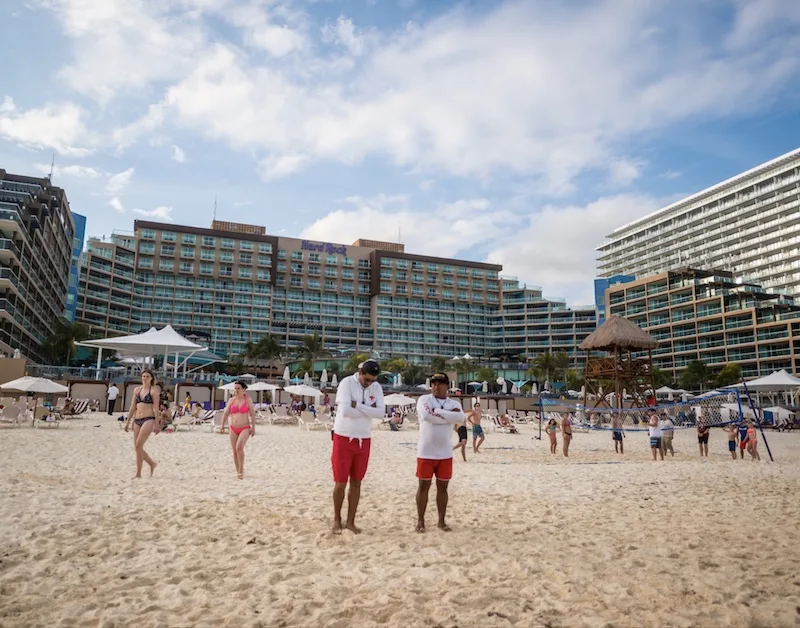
(143, 411)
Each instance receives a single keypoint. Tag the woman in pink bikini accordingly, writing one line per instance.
(243, 423)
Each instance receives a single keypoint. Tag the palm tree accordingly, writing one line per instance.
(438, 364)
(486, 374)
(561, 362)
(60, 345)
(312, 348)
(414, 374)
(395, 365)
(354, 361)
(268, 348)
(465, 367)
(543, 366)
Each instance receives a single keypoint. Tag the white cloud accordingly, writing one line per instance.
(670, 175)
(261, 30)
(525, 88)
(161, 213)
(78, 172)
(554, 248)
(117, 205)
(118, 182)
(53, 126)
(623, 172)
(440, 231)
(178, 154)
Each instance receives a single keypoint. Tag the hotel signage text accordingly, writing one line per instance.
(324, 247)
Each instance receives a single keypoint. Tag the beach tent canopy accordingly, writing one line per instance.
(399, 400)
(302, 390)
(151, 342)
(254, 387)
(777, 381)
(618, 333)
(35, 385)
(666, 390)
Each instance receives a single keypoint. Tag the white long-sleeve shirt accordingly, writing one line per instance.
(436, 420)
(356, 422)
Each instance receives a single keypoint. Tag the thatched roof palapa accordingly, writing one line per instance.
(618, 333)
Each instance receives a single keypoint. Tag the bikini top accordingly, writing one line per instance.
(148, 398)
(240, 409)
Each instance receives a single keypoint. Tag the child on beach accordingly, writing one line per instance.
(551, 429)
(733, 437)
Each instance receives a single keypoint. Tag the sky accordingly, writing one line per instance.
(519, 132)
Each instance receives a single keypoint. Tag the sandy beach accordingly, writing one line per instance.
(538, 540)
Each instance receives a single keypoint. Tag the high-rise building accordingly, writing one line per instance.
(600, 287)
(748, 225)
(74, 267)
(36, 237)
(712, 316)
(233, 285)
(530, 324)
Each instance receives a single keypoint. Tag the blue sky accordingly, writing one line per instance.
(520, 132)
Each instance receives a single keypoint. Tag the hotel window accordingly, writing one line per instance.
(386, 288)
(447, 294)
(207, 255)
(244, 245)
(245, 273)
(347, 274)
(206, 269)
(226, 271)
(347, 287)
(400, 290)
(167, 249)
(209, 241)
(313, 257)
(297, 256)
(281, 267)
(226, 256)
(331, 259)
(186, 267)
(264, 275)
(165, 264)
(147, 248)
(463, 296)
(264, 260)
(363, 263)
(264, 247)
(348, 262)
(187, 251)
(417, 292)
(448, 269)
(401, 276)
(313, 284)
(477, 273)
(148, 234)
(431, 292)
(145, 262)
(363, 288)
(386, 274)
(227, 243)
(331, 272)
(168, 236)
(188, 238)
(433, 268)
(245, 258)
(386, 262)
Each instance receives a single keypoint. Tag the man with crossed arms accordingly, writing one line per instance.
(437, 414)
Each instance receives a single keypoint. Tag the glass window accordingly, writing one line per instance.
(165, 264)
(207, 269)
(245, 258)
(245, 272)
(227, 243)
(208, 255)
(209, 241)
(148, 234)
(264, 260)
(187, 251)
(387, 262)
(245, 245)
(188, 238)
(167, 249)
(331, 259)
(226, 256)
(264, 275)
(433, 268)
(313, 257)
(297, 256)
(264, 247)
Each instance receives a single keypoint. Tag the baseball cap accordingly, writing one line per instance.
(440, 377)
(370, 367)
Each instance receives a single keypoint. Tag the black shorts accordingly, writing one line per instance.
(703, 440)
(462, 433)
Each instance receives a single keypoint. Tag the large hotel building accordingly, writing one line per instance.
(748, 225)
(232, 284)
(36, 239)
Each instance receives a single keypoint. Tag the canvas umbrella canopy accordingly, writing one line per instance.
(323, 379)
(307, 379)
(334, 381)
(302, 390)
(286, 375)
(151, 342)
(774, 382)
(399, 400)
(259, 386)
(35, 385)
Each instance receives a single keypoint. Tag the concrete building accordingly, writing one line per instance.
(712, 316)
(233, 284)
(36, 238)
(78, 240)
(748, 225)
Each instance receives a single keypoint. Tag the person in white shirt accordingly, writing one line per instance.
(359, 400)
(667, 432)
(655, 435)
(437, 415)
(113, 393)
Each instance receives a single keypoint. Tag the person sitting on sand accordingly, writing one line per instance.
(143, 412)
(243, 423)
(551, 429)
(474, 419)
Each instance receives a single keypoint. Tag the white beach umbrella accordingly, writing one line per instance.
(259, 386)
(303, 390)
(397, 399)
(286, 374)
(485, 387)
(423, 387)
(307, 379)
(428, 383)
(334, 381)
(466, 356)
(399, 379)
(535, 389)
(35, 385)
(514, 389)
(323, 379)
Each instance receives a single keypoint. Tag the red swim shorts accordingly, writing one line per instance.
(350, 458)
(442, 469)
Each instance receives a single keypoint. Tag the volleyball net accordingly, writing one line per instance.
(712, 410)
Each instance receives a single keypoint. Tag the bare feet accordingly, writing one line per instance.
(337, 527)
(240, 476)
(153, 468)
(138, 476)
(444, 527)
(353, 528)
(420, 526)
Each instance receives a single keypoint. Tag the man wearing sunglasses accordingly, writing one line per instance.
(359, 400)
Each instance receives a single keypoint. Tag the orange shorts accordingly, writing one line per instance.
(442, 469)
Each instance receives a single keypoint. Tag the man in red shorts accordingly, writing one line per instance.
(359, 399)
(437, 414)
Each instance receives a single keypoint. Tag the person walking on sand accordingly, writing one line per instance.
(742, 438)
(551, 429)
(143, 412)
(113, 393)
(474, 419)
(616, 433)
(566, 432)
(359, 400)
(655, 435)
(733, 437)
(667, 432)
(242, 414)
(752, 441)
(461, 430)
(702, 436)
(436, 412)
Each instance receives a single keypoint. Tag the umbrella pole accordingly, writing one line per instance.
(99, 362)
(758, 419)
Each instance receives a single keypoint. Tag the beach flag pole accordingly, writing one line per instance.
(541, 416)
(758, 419)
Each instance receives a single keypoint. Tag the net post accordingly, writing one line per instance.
(758, 420)
(541, 416)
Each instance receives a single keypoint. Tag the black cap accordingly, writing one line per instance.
(370, 367)
(440, 378)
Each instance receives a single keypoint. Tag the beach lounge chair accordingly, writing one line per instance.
(11, 416)
(81, 406)
(281, 417)
(216, 422)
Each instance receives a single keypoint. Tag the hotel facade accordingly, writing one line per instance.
(233, 284)
(36, 239)
(712, 316)
(748, 225)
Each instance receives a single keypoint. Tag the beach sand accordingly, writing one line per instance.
(538, 540)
